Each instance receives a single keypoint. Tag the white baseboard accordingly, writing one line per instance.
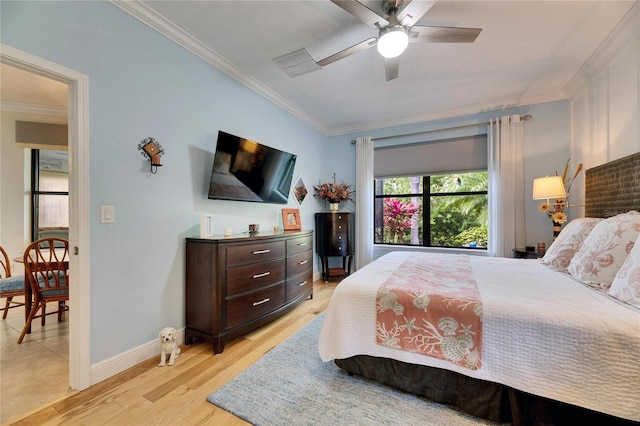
(119, 363)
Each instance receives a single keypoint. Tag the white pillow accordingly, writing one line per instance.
(569, 242)
(626, 285)
(605, 249)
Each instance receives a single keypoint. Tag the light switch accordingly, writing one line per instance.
(107, 214)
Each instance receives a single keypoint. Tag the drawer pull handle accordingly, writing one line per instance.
(303, 283)
(264, 274)
(303, 262)
(340, 248)
(261, 302)
(261, 251)
(302, 244)
(340, 237)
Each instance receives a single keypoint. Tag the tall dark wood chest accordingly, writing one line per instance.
(335, 236)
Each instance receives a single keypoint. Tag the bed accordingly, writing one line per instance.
(556, 345)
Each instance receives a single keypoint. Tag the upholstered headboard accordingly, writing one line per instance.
(613, 188)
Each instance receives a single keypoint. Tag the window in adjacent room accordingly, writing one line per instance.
(50, 194)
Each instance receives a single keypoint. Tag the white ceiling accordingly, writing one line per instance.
(527, 52)
(25, 91)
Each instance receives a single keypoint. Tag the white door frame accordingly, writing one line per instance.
(79, 314)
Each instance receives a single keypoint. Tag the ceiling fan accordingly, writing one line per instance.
(395, 30)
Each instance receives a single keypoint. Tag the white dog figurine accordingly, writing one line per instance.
(169, 345)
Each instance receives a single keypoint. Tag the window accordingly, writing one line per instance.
(50, 194)
(444, 210)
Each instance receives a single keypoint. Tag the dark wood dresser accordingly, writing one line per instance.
(239, 283)
(335, 237)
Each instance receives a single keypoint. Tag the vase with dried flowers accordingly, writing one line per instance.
(556, 211)
(333, 193)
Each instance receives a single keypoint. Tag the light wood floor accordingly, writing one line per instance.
(150, 395)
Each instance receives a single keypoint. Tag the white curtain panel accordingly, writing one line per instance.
(364, 201)
(506, 185)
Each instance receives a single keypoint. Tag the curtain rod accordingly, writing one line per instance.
(486, 123)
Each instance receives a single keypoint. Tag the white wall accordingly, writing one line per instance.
(605, 101)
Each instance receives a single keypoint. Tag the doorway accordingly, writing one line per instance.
(79, 316)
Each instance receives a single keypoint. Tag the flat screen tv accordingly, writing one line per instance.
(245, 170)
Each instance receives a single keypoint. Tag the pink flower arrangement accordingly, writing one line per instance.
(333, 192)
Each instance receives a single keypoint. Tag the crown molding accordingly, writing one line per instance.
(456, 112)
(151, 18)
(623, 35)
(33, 108)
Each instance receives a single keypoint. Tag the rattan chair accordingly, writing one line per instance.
(10, 286)
(46, 266)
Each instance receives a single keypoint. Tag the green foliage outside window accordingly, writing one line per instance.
(457, 208)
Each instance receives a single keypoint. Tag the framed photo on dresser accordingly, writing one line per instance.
(291, 219)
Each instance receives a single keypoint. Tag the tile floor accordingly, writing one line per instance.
(36, 371)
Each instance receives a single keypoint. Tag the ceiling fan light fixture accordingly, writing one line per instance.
(392, 41)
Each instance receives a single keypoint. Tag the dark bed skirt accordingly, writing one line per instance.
(488, 400)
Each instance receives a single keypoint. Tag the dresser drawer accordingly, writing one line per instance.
(338, 237)
(299, 263)
(249, 307)
(298, 245)
(299, 284)
(338, 248)
(339, 224)
(242, 279)
(257, 252)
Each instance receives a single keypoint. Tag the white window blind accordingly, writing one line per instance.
(442, 156)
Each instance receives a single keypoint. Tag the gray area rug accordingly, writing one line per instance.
(290, 385)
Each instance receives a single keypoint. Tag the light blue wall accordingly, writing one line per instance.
(547, 141)
(140, 85)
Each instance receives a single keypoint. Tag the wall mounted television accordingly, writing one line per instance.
(246, 170)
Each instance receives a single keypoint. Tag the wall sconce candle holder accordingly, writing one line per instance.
(152, 150)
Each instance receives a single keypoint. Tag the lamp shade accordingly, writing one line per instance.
(548, 187)
(392, 41)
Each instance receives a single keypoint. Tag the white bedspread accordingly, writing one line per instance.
(543, 333)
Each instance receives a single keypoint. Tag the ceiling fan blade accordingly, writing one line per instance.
(443, 34)
(391, 68)
(363, 45)
(413, 11)
(362, 12)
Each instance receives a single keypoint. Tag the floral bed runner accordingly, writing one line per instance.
(431, 305)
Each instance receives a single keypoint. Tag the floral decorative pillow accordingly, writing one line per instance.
(568, 243)
(626, 285)
(605, 249)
